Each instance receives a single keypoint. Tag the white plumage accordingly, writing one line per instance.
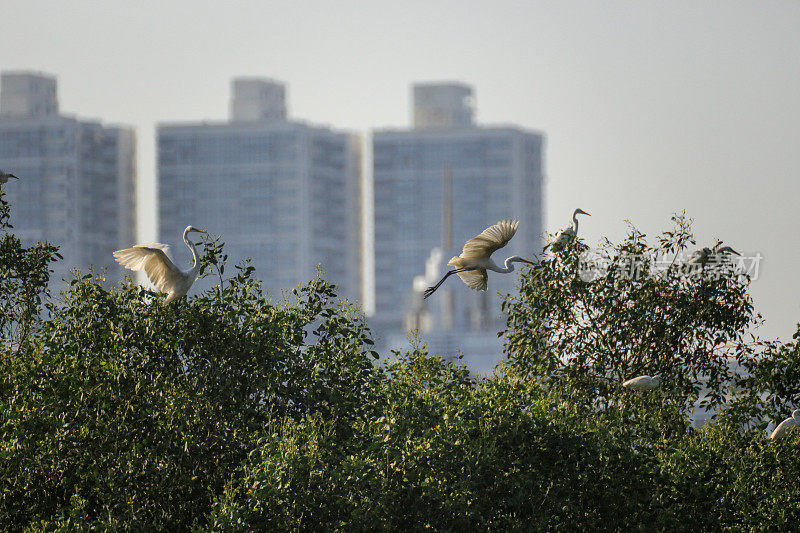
(160, 270)
(787, 424)
(642, 383)
(567, 234)
(4, 176)
(475, 258)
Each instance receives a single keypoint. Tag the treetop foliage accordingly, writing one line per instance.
(232, 411)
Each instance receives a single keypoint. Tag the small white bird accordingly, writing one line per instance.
(475, 258)
(152, 258)
(787, 424)
(642, 383)
(567, 234)
(4, 176)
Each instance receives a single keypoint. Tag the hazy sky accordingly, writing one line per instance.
(649, 107)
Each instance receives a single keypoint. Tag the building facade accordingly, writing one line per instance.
(77, 177)
(437, 185)
(283, 193)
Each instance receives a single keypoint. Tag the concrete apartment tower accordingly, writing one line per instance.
(282, 192)
(435, 185)
(77, 177)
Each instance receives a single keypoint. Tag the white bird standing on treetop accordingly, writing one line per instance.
(4, 176)
(152, 258)
(475, 258)
(787, 424)
(567, 234)
(643, 383)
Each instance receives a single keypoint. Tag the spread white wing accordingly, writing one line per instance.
(475, 279)
(153, 259)
(491, 239)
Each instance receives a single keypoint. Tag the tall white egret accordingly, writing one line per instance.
(641, 383)
(152, 258)
(4, 176)
(475, 258)
(784, 426)
(567, 234)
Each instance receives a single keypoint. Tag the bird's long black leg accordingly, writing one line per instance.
(431, 290)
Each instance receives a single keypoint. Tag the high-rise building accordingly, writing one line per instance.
(438, 184)
(284, 193)
(76, 186)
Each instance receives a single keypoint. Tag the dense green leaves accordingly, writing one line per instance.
(228, 411)
(646, 312)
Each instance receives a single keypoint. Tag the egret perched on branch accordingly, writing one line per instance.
(152, 258)
(643, 383)
(567, 234)
(475, 258)
(4, 176)
(704, 255)
(784, 426)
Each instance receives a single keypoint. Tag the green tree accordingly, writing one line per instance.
(642, 312)
(229, 411)
(24, 275)
(123, 410)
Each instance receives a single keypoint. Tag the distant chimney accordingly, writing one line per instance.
(27, 95)
(442, 105)
(257, 100)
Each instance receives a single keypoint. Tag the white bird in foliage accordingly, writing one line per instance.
(641, 383)
(152, 258)
(475, 258)
(787, 424)
(4, 176)
(567, 234)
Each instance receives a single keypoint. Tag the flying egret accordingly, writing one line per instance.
(641, 383)
(787, 424)
(475, 258)
(4, 176)
(152, 258)
(567, 234)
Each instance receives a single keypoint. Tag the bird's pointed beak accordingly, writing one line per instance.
(13, 176)
(526, 261)
(201, 231)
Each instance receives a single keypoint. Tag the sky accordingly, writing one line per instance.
(649, 107)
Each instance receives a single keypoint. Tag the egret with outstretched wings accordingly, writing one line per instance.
(162, 272)
(475, 258)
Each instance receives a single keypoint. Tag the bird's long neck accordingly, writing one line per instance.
(196, 266)
(508, 266)
(575, 221)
